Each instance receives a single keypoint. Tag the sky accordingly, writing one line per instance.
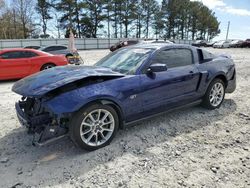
(235, 11)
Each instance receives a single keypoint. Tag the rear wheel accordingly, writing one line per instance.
(94, 126)
(47, 66)
(214, 95)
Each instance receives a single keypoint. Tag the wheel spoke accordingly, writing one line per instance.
(106, 123)
(107, 129)
(86, 124)
(105, 116)
(86, 132)
(213, 101)
(91, 117)
(212, 98)
(90, 136)
(96, 139)
(99, 114)
(103, 137)
(217, 86)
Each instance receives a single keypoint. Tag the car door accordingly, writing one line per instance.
(14, 64)
(172, 87)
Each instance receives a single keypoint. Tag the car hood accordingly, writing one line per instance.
(43, 82)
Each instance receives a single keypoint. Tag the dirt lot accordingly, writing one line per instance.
(192, 147)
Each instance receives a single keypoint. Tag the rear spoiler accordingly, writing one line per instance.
(226, 56)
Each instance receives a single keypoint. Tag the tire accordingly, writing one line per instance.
(214, 95)
(47, 66)
(91, 133)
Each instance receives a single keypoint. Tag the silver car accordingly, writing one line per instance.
(63, 50)
(57, 49)
(222, 44)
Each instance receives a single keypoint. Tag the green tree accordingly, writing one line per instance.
(150, 8)
(92, 17)
(128, 14)
(70, 17)
(43, 8)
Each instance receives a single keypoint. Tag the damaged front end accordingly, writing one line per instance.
(42, 124)
(52, 96)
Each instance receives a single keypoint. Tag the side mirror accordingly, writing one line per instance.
(158, 67)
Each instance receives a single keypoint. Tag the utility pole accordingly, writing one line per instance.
(228, 26)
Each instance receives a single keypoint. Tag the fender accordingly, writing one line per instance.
(211, 77)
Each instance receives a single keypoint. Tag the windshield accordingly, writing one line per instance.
(125, 61)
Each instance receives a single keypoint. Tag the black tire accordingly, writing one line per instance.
(206, 100)
(81, 116)
(47, 66)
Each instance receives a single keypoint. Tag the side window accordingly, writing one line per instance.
(174, 57)
(60, 47)
(207, 55)
(48, 49)
(28, 54)
(54, 48)
(12, 55)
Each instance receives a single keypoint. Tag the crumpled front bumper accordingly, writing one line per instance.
(24, 121)
(31, 122)
(40, 125)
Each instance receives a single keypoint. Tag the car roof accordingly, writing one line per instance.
(17, 49)
(24, 49)
(55, 45)
(43, 47)
(155, 41)
(159, 45)
(31, 45)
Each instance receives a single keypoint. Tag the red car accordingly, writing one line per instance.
(123, 44)
(245, 44)
(18, 63)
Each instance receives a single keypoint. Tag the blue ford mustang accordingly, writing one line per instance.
(90, 103)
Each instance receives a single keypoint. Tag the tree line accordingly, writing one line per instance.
(170, 19)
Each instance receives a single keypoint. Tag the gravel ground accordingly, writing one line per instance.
(191, 147)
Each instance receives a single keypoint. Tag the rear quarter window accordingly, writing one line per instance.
(205, 56)
(60, 48)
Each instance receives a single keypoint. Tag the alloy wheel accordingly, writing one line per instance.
(216, 94)
(97, 127)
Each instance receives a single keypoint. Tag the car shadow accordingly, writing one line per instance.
(11, 81)
(63, 161)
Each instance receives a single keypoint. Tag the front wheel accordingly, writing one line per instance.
(214, 95)
(94, 126)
